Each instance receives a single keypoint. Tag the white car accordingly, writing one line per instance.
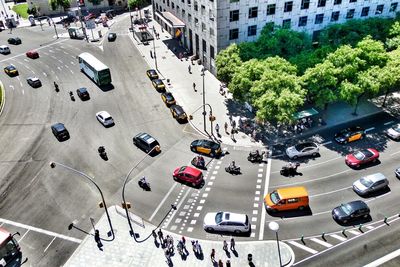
(394, 132)
(302, 149)
(105, 118)
(226, 222)
(370, 184)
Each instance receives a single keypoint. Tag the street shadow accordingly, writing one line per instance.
(177, 49)
(366, 165)
(106, 88)
(291, 213)
(356, 222)
(234, 252)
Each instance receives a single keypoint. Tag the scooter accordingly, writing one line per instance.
(102, 153)
(257, 157)
(232, 170)
(144, 184)
(290, 169)
(71, 94)
(199, 162)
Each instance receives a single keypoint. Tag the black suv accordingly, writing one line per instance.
(83, 93)
(14, 41)
(350, 211)
(60, 132)
(146, 142)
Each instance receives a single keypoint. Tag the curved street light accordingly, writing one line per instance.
(211, 115)
(274, 226)
(53, 164)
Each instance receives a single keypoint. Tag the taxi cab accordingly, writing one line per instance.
(168, 98)
(152, 74)
(206, 147)
(158, 85)
(349, 135)
(11, 70)
(178, 113)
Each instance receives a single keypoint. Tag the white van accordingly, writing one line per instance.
(4, 49)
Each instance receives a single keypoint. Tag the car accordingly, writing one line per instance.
(207, 147)
(68, 19)
(32, 54)
(4, 50)
(361, 157)
(350, 211)
(394, 132)
(349, 135)
(188, 175)
(158, 85)
(168, 99)
(152, 74)
(147, 143)
(397, 173)
(105, 118)
(178, 113)
(34, 82)
(14, 40)
(112, 36)
(90, 16)
(302, 149)
(11, 70)
(83, 93)
(370, 184)
(60, 132)
(226, 222)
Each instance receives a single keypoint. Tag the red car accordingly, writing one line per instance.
(32, 54)
(360, 157)
(189, 175)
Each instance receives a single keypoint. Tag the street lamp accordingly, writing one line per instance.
(274, 226)
(204, 100)
(154, 48)
(54, 164)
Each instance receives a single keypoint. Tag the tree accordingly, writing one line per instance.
(393, 40)
(347, 62)
(227, 62)
(372, 52)
(55, 4)
(136, 3)
(389, 75)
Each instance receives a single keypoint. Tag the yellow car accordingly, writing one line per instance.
(152, 74)
(168, 98)
(11, 70)
(178, 113)
(158, 85)
(206, 147)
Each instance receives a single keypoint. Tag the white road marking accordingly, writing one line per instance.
(326, 143)
(312, 251)
(338, 237)
(71, 71)
(23, 92)
(370, 227)
(321, 242)
(369, 129)
(44, 73)
(177, 208)
(389, 122)
(354, 232)
(394, 153)
(384, 259)
(49, 244)
(22, 237)
(266, 185)
(331, 192)
(162, 202)
(60, 61)
(12, 86)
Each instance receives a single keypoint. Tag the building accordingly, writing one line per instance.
(208, 26)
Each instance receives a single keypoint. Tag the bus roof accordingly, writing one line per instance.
(92, 61)
(4, 235)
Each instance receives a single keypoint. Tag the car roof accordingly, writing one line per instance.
(146, 137)
(153, 71)
(357, 204)
(375, 177)
(236, 217)
(290, 192)
(82, 89)
(33, 79)
(3, 46)
(177, 108)
(10, 66)
(192, 171)
(104, 113)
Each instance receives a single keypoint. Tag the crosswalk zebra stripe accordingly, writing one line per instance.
(325, 244)
(370, 227)
(338, 237)
(294, 243)
(354, 232)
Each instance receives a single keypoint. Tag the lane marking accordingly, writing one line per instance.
(162, 202)
(326, 143)
(369, 129)
(49, 244)
(354, 232)
(266, 185)
(331, 192)
(389, 122)
(384, 259)
(338, 237)
(321, 242)
(394, 153)
(177, 208)
(22, 237)
(312, 251)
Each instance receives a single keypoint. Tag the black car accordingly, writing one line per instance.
(147, 143)
(112, 36)
(34, 82)
(83, 93)
(60, 132)
(152, 74)
(207, 147)
(397, 172)
(14, 40)
(350, 211)
(349, 135)
(178, 113)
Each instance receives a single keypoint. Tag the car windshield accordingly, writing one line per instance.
(108, 119)
(366, 182)
(218, 217)
(359, 155)
(275, 197)
(346, 208)
(214, 145)
(397, 128)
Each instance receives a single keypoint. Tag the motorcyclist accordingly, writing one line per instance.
(55, 85)
(200, 161)
(233, 166)
(101, 149)
(143, 180)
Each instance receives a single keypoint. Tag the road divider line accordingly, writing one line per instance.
(49, 244)
(370, 129)
(162, 202)
(294, 243)
(389, 122)
(323, 243)
(384, 259)
(330, 192)
(266, 185)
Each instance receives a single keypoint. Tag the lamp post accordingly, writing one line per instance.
(154, 48)
(54, 164)
(204, 100)
(274, 226)
(80, 19)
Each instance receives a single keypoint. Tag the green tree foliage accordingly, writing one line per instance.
(308, 59)
(227, 62)
(372, 52)
(55, 4)
(347, 62)
(138, 3)
(393, 40)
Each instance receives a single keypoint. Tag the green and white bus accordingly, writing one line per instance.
(95, 69)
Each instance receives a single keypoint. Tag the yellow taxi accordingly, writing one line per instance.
(152, 74)
(168, 98)
(158, 85)
(11, 70)
(349, 135)
(206, 147)
(178, 113)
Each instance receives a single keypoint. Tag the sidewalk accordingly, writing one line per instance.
(124, 251)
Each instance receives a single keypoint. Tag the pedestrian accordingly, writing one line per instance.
(151, 53)
(230, 119)
(212, 256)
(217, 128)
(194, 86)
(190, 69)
(167, 256)
(225, 245)
(220, 263)
(226, 127)
(232, 244)
(194, 246)
(154, 235)
(158, 36)
(183, 240)
(162, 29)
(161, 236)
(233, 124)
(228, 263)
(198, 247)
(233, 133)
(97, 239)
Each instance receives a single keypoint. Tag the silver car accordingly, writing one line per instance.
(394, 132)
(226, 222)
(370, 184)
(302, 149)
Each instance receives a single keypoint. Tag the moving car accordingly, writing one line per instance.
(105, 118)
(394, 132)
(207, 147)
(146, 142)
(397, 172)
(178, 113)
(289, 198)
(4, 50)
(82, 93)
(11, 70)
(32, 54)
(34, 82)
(188, 175)
(168, 99)
(360, 157)
(350, 211)
(226, 222)
(112, 36)
(303, 149)
(60, 132)
(152, 74)
(370, 183)
(349, 135)
(158, 85)
(14, 40)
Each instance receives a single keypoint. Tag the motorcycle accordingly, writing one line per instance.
(71, 94)
(289, 169)
(199, 162)
(144, 184)
(257, 157)
(232, 169)
(102, 153)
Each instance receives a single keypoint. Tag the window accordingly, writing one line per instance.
(253, 11)
(302, 21)
(319, 18)
(189, 17)
(233, 34)
(321, 3)
(167, 2)
(305, 4)
(212, 31)
(252, 30)
(286, 23)
(234, 15)
(196, 21)
(292, 200)
(365, 11)
(315, 38)
(379, 9)
(196, 6)
(393, 7)
(172, 5)
(204, 46)
(234, 1)
(350, 13)
(203, 26)
(288, 6)
(337, 2)
(212, 53)
(203, 10)
(271, 9)
(352, 1)
(335, 16)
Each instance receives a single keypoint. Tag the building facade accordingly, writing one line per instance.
(207, 26)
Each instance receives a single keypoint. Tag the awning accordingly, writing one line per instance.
(305, 113)
(170, 20)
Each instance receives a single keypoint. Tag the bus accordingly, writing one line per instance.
(9, 247)
(95, 69)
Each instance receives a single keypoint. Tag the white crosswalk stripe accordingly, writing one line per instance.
(319, 241)
(338, 237)
(294, 243)
(354, 232)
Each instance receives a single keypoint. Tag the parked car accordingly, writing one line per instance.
(60, 132)
(349, 135)
(226, 222)
(207, 147)
(188, 175)
(158, 85)
(83, 94)
(361, 157)
(302, 149)
(178, 113)
(370, 184)
(350, 211)
(152, 74)
(397, 173)
(394, 132)
(14, 40)
(112, 36)
(147, 143)
(34, 82)
(168, 99)
(11, 70)
(32, 54)
(105, 118)
(4, 50)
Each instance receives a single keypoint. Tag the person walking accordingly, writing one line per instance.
(194, 86)
(161, 236)
(233, 123)
(151, 53)
(220, 263)
(232, 244)
(190, 69)
(212, 256)
(97, 239)
(233, 134)
(217, 128)
(228, 263)
(225, 245)
(226, 128)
